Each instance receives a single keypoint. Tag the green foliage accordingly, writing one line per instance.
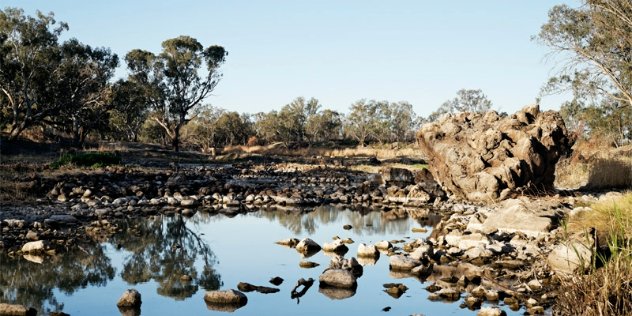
(471, 101)
(593, 46)
(173, 85)
(91, 159)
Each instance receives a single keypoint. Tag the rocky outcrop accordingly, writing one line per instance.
(482, 157)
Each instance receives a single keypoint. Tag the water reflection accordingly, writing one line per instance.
(25, 281)
(364, 221)
(165, 250)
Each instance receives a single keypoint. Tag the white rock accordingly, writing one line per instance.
(307, 245)
(491, 311)
(369, 251)
(383, 245)
(336, 245)
(34, 246)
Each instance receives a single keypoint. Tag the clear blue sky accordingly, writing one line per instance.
(336, 51)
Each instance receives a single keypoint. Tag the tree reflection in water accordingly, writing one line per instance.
(33, 284)
(164, 249)
(379, 223)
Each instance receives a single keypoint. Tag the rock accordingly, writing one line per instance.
(226, 297)
(338, 278)
(535, 285)
(276, 281)
(491, 311)
(399, 262)
(32, 235)
(307, 245)
(247, 287)
(289, 242)
(422, 252)
(482, 157)
(565, 257)
(390, 174)
(131, 298)
(347, 227)
(335, 246)
(450, 294)
(34, 247)
(16, 310)
(383, 245)
(369, 251)
(307, 264)
(515, 216)
(352, 265)
(419, 230)
(395, 290)
(62, 219)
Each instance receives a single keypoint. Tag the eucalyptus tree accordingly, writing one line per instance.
(29, 58)
(80, 88)
(360, 122)
(471, 101)
(128, 109)
(177, 82)
(593, 47)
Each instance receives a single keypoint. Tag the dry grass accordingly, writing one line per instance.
(605, 172)
(606, 290)
(571, 175)
(277, 149)
(611, 173)
(376, 169)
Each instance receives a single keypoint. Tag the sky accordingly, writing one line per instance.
(336, 51)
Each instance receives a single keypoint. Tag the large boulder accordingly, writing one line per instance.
(482, 157)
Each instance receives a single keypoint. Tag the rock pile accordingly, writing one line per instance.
(483, 157)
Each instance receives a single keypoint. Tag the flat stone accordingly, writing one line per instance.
(404, 263)
(338, 278)
(226, 297)
(34, 246)
(517, 218)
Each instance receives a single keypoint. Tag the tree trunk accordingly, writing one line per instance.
(175, 142)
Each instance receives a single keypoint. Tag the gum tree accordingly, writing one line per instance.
(177, 80)
(593, 47)
(29, 57)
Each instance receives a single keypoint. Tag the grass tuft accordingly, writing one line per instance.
(90, 159)
(606, 288)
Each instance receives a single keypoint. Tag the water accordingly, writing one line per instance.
(218, 252)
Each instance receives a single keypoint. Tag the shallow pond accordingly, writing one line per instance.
(218, 252)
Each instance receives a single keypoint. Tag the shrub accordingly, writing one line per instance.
(253, 141)
(611, 173)
(92, 159)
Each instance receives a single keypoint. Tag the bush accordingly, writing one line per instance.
(611, 173)
(253, 141)
(92, 159)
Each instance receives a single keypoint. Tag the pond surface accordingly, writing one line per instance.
(218, 252)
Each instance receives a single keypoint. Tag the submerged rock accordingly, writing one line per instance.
(131, 298)
(289, 242)
(491, 311)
